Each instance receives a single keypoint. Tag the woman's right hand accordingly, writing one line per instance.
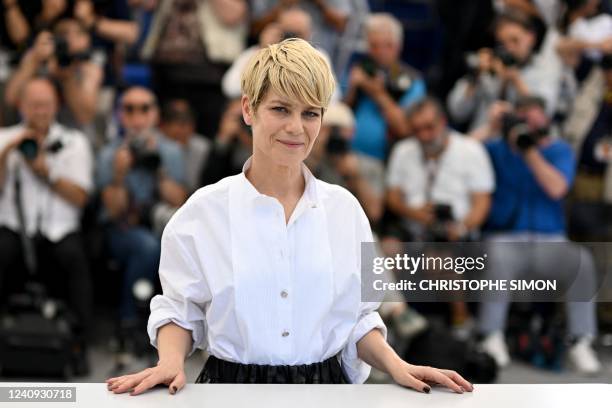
(168, 373)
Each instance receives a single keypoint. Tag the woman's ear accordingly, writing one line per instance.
(247, 113)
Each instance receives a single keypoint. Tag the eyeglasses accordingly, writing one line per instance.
(131, 108)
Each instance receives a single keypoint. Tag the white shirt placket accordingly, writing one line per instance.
(284, 270)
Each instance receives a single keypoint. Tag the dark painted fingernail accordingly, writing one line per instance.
(426, 389)
(173, 389)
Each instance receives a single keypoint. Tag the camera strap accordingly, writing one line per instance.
(29, 252)
(432, 168)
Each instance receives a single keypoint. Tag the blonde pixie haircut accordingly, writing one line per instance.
(292, 68)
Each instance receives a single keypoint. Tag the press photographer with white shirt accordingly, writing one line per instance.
(263, 268)
(45, 181)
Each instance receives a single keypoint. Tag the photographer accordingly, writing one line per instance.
(379, 86)
(135, 174)
(329, 18)
(231, 148)
(290, 22)
(24, 19)
(439, 182)
(45, 180)
(332, 160)
(514, 69)
(534, 172)
(439, 186)
(65, 56)
(589, 130)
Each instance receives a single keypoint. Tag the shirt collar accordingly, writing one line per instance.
(310, 191)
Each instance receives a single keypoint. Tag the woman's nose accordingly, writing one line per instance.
(294, 124)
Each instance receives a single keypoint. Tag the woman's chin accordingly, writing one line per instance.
(290, 159)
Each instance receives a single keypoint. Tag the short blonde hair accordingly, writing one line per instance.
(292, 68)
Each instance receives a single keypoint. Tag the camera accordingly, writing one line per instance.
(64, 56)
(29, 148)
(515, 131)
(505, 56)
(337, 144)
(369, 66)
(397, 80)
(144, 158)
(472, 63)
(443, 215)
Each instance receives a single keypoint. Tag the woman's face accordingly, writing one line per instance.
(284, 130)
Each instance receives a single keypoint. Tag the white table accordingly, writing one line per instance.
(338, 396)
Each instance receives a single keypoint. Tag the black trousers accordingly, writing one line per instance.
(220, 371)
(62, 268)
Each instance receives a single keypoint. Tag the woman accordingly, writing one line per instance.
(263, 268)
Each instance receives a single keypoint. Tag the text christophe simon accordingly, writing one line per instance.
(404, 263)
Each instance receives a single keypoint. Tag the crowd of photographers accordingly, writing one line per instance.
(115, 111)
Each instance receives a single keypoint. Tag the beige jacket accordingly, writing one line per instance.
(223, 38)
(585, 111)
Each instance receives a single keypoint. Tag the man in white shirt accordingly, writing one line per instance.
(45, 180)
(439, 184)
(438, 171)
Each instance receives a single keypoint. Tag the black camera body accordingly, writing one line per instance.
(144, 158)
(397, 79)
(64, 56)
(505, 56)
(517, 133)
(29, 148)
(443, 215)
(337, 144)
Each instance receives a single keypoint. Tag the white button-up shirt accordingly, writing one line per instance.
(44, 210)
(463, 168)
(254, 289)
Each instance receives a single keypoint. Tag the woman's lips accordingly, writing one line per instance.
(292, 145)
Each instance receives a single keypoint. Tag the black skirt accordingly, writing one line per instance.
(220, 371)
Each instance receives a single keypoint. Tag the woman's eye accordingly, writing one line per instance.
(311, 114)
(280, 109)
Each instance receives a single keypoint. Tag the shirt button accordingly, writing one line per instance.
(284, 294)
(285, 333)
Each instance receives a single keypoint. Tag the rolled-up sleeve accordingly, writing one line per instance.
(185, 290)
(356, 369)
(368, 319)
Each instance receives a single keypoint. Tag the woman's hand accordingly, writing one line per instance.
(171, 374)
(421, 378)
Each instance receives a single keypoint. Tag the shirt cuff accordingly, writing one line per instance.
(165, 310)
(356, 369)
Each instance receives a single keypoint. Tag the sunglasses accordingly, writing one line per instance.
(130, 108)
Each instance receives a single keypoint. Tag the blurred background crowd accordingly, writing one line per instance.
(453, 120)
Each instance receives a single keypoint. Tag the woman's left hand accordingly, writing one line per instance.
(421, 378)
